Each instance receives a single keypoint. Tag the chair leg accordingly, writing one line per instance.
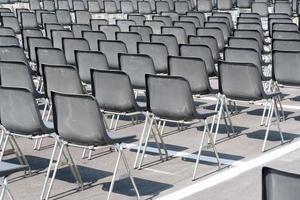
(115, 173)
(268, 126)
(49, 169)
(218, 121)
(228, 116)
(216, 109)
(278, 120)
(2, 137)
(18, 149)
(49, 112)
(146, 143)
(83, 153)
(40, 144)
(163, 128)
(4, 146)
(117, 121)
(129, 172)
(55, 171)
(111, 121)
(278, 99)
(7, 189)
(160, 138)
(264, 114)
(199, 152)
(45, 109)
(141, 141)
(90, 154)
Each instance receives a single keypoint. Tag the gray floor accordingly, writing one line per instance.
(157, 179)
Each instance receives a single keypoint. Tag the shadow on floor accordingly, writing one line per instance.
(273, 135)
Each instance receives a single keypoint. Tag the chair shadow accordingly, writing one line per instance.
(170, 147)
(273, 135)
(36, 163)
(88, 175)
(259, 112)
(239, 108)
(223, 129)
(147, 187)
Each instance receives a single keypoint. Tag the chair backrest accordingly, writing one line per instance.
(49, 5)
(18, 12)
(124, 24)
(199, 15)
(94, 6)
(7, 31)
(251, 26)
(193, 70)
(92, 37)
(194, 19)
(28, 20)
(9, 40)
(200, 51)
(144, 31)
(250, 19)
(155, 25)
(110, 31)
(49, 27)
(283, 7)
(136, 66)
(222, 19)
(221, 25)
(166, 19)
(286, 67)
(48, 56)
(284, 26)
(181, 7)
(169, 41)
(215, 32)
(63, 17)
(224, 4)
(245, 33)
(13, 53)
(61, 78)
(16, 74)
(139, 19)
(169, 97)
(130, 39)
(277, 20)
(34, 42)
(294, 35)
(208, 41)
(77, 29)
(70, 45)
(189, 27)
(244, 3)
(77, 119)
(278, 185)
(158, 52)
(178, 32)
(204, 6)
(111, 49)
(11, 22)
(244, 43)
(261, 8)
(82, 17)
(95, 23)
(87, 60)
(127, 7)
(110, 7)
(286, 44)
(19, 111)
(225, 14)
(48, 18)
(162, 6)
(240, 81)
(144, 7)
(58, 35)
(107, 84)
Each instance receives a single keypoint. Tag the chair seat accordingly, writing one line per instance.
(7, 169)
(203, 113)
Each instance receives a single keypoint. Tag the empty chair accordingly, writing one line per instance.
(155, 25)
(144, 31)
(294, 35)
(215, 32)
(50, 27)
(244, 33)
(178, 32)
(209, 41)
(162, 6)
(244, 3)
(7, 31)
(284, 27)
(82, 17)
(110, 31)
(48, 18)
(158, 52)
(283, 7)
(110, 7)
(58, 35)
(92, 37)
(63, 5)
(137, 66)
(199, 51)
(261, 8)
(244, 43)
(251, 26)
(250, 15)
(124, 24)
(111, 49)
(222, 19)
(127, 7)
(9, 40)
(249, 88)
(249, 20)
(174, 15)
(144, 7)
(194, 19)
(161, 90)
(278, 184)
(78, 5)
(221, 25)
(165, 19)
(49, 56)
(6, 169)
(87, 60)
(34, 4)
(286, 44)
(33, 43)
(49, 5)
(189, 27)
(70, 45)
(93, 6)
(204, 5)
(13, 53)
(96, 22)
(169, 41)
(77, 29)
(28, 20)
(224, 4)
(11, 22)
(130, 39)
(138, 19)
(181, 7)
(277, 20)
(227, 15)
(38, 14)
(70, 132)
